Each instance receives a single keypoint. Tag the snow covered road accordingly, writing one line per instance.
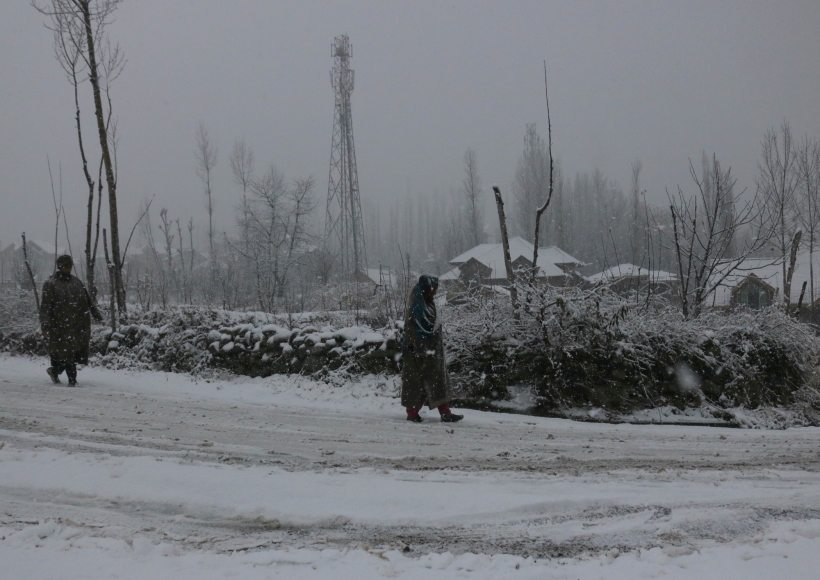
(135, 466)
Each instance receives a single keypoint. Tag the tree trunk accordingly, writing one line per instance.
(683, 285)
(30, 274)
(800, 301)
(811, 273)
(112, 283)
(94, 79)
(544, 207)
(787, 282)
(505, 242)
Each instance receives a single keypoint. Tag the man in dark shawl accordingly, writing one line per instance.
(424, 372)
(65, 319)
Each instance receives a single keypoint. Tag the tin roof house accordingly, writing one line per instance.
(628, 278)
(484, 265)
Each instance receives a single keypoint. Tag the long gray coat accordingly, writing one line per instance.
(65, 314)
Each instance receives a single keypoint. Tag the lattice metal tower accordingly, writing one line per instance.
(343, 226)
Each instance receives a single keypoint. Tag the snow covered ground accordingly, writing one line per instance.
(157, 475)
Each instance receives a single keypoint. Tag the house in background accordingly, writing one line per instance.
(759, 283)
(146, 259)
(625, 279)
(754, 293)
(484, 265)
(41, 258)
(376, 277)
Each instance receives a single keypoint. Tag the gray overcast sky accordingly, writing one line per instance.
(652, 80)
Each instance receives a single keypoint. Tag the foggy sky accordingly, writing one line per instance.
(649, 80)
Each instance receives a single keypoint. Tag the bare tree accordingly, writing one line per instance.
(68, 48)
(701, 238)
(242, 166)
(321, 263)
(183, 282)
(58, 206)
(191, 240)
(777, 182)
(80, 29)
(82, 47)
(636, 238)
(727, 213)
(30, 273)
(531, 183)
(161, 278)
(546, 203)
(471, 188)
(242, 162)
(808, 198)
(166, 229)
(560, 219)
(275, 233)
(206, 155)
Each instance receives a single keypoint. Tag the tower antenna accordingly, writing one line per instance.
(344, 227)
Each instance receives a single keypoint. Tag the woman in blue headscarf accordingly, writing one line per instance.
(424, 371)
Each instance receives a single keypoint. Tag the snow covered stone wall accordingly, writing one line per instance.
(196, 339)
(257, 350)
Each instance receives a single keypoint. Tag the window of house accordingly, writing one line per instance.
(754, 296)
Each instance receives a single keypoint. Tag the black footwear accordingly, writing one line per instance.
(451, 418)
(53, 375)
(72, 384)
(415, 419)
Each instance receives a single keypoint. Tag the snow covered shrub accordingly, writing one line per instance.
(593, 347)
(18, 311)
(19, 322)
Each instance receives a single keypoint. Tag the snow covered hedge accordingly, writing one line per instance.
(594, 348)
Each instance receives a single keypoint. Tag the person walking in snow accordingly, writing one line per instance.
(65, 319)
(424, 372)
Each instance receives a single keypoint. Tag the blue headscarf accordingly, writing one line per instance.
(420, 324)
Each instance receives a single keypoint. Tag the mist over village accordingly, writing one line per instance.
(409, 289)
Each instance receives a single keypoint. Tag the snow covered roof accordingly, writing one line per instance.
(44, 247)
(492, 256)
(47, 248)
(377, 274)
(631, 270)
(556, 255)
(34, 248)
(472, 253)
(453, 274)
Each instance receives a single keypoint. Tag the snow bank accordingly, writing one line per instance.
(55, 550)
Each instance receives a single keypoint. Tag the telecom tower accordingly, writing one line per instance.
(343, 225)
